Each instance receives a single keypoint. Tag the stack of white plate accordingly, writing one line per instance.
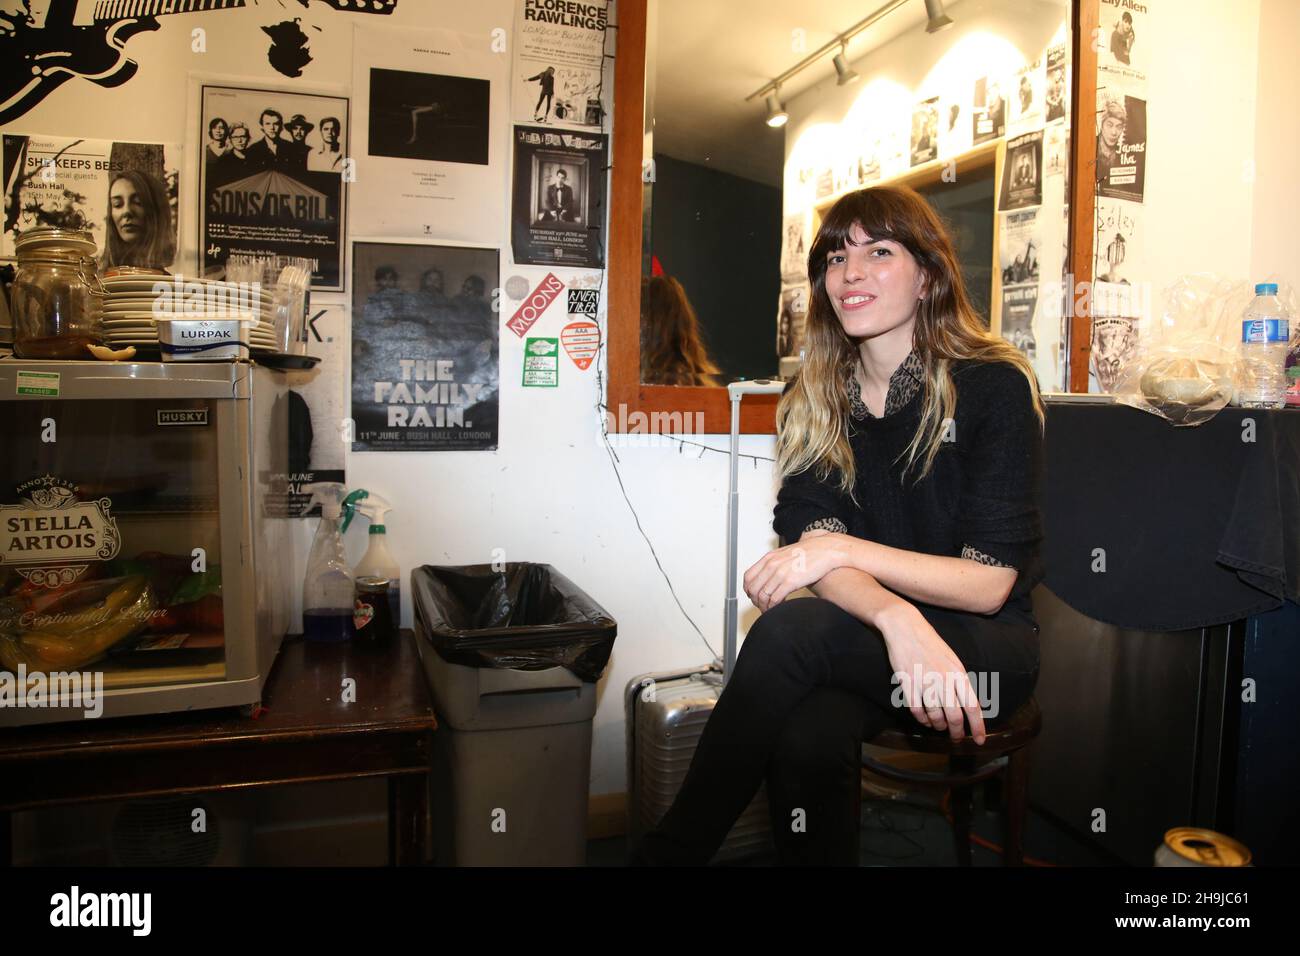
(132, 303)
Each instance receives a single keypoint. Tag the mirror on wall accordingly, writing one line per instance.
(758, 117)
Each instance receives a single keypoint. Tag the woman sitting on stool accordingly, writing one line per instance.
(910, 448)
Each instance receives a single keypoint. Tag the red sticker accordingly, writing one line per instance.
(547, 291)
(361, 614)
(581, 340)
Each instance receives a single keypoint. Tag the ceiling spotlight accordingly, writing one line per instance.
(842, 71)
(776, 114)
(938, 19)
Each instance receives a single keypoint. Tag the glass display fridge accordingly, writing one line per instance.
(141, 549)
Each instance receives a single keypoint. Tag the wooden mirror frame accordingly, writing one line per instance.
(684, 409)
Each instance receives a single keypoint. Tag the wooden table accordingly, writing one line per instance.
(305, 733)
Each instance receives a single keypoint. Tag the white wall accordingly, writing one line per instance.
(1275, 249)
(1201, 121)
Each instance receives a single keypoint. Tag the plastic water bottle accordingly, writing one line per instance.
(1265, 337)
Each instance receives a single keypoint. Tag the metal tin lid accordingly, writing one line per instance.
(1206, 847)
(77, 242)
(372, 585)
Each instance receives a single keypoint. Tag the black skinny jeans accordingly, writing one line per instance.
(811, 683)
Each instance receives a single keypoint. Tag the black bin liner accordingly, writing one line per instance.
(525, 617)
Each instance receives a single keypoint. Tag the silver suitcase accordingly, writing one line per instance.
(666, 711)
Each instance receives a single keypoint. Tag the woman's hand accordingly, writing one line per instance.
(780, 573)
(931, 679)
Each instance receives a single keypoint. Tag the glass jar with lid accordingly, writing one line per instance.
(57, 299)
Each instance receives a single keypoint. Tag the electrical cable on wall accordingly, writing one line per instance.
(601, 408)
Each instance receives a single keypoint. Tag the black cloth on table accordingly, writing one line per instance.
(1199, 526)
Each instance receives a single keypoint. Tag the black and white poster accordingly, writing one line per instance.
(1125, 38)
(558, 216)
(425, 349)
(428, 116)
(1027, 98)
(272, 178)
(792, 321)
(318, 416)
(1022, 172)
(988, 110)
(124, 194)
(1121, 145)
(431, 161)
(1018, 305)
(925, 131)
(794, 247)
(1019, 247)
(558, 62)
(1057, 96)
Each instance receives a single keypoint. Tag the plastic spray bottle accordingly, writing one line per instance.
(328, 589)
(377, 561)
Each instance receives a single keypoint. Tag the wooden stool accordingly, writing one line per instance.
(1005, 749)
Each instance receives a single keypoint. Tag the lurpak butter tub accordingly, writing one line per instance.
(191, 338)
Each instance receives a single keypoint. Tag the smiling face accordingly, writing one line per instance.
(874, 285)
(127, 207)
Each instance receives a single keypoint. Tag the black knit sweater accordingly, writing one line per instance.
(979, 499)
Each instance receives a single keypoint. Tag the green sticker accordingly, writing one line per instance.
(542, 363)
(38, 383)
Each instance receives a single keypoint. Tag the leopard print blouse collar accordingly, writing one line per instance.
(903, 386)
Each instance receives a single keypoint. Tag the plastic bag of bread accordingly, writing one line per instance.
(1183, 364)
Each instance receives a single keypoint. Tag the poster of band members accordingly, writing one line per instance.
(559, 197)
(988, 110)
(1121, 145)
(272, 178)
(431, 158)
(559, 56)
(925, 131)
(317, 414)
(425, 352)
(125, 194)
(1022, 178)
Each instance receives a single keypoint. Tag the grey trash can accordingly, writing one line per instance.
(512, 657)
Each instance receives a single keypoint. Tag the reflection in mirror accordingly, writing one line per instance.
(758, 117)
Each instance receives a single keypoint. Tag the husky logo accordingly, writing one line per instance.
(50, 529)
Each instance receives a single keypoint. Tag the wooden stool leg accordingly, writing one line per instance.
(1017, 804)
(961, 810)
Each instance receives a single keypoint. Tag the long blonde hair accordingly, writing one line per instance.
(813, 414)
